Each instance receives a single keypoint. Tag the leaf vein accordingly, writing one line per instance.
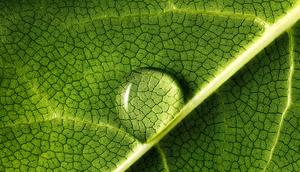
(289, 97)
(174, 9)
(74, 119)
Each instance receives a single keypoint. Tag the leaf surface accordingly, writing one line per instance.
(62, 66)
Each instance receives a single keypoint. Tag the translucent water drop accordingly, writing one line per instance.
(147, 101)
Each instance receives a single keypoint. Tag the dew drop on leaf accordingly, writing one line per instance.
(147, 101)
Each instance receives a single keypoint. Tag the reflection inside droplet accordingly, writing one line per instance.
(126, 96)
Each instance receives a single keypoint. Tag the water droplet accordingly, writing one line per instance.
(147, 101)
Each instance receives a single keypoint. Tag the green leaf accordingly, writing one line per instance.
(92, 86)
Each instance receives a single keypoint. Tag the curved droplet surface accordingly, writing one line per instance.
(147, 101)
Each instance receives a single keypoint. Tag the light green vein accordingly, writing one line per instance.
(173, 9)
(269, 35)
(163, 157)
(289, 96)
(75, 120)
(256, 19)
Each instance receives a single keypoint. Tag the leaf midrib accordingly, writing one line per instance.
(269, 35)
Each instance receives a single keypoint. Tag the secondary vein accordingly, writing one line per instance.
(163, 157)
(73, 119)
(173, 8)
(289, 97)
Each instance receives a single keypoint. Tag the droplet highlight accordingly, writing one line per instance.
(147, 101)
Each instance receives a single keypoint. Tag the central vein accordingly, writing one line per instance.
(270, 34)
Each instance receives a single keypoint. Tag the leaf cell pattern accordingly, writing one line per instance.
(63, 62)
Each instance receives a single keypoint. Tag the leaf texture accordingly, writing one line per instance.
(63, 63)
